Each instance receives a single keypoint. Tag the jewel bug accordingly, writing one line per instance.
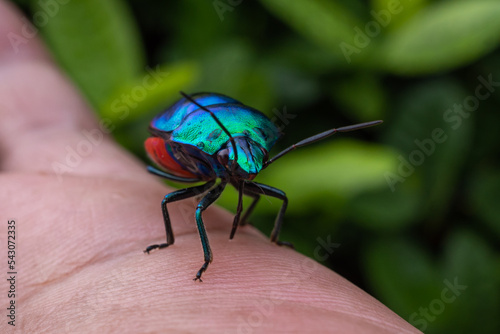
(207, 136)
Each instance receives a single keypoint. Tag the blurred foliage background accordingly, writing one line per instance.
(412, 205)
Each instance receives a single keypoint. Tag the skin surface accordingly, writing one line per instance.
(80, 236)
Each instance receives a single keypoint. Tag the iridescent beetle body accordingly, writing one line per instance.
(193, 139)
(208, 136)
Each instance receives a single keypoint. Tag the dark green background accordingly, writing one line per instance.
(409, 67)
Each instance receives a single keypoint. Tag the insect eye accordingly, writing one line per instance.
(223, 157)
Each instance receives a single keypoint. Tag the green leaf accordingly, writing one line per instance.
(341, 168)
(96, 42)
(324, 22)
(154, 90)
(397, 12)
(442, 37)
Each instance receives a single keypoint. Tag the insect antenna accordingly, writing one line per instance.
(319, 136)
(233, 144)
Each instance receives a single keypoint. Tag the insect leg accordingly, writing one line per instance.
(172, 197)
(243, 221)
(236, 221)
(204, 204)
(250, 209)
(168, 176)
(258, 188)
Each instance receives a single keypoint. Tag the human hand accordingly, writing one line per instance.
(81, 233)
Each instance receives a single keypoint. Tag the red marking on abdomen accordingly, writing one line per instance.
(155, 147)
